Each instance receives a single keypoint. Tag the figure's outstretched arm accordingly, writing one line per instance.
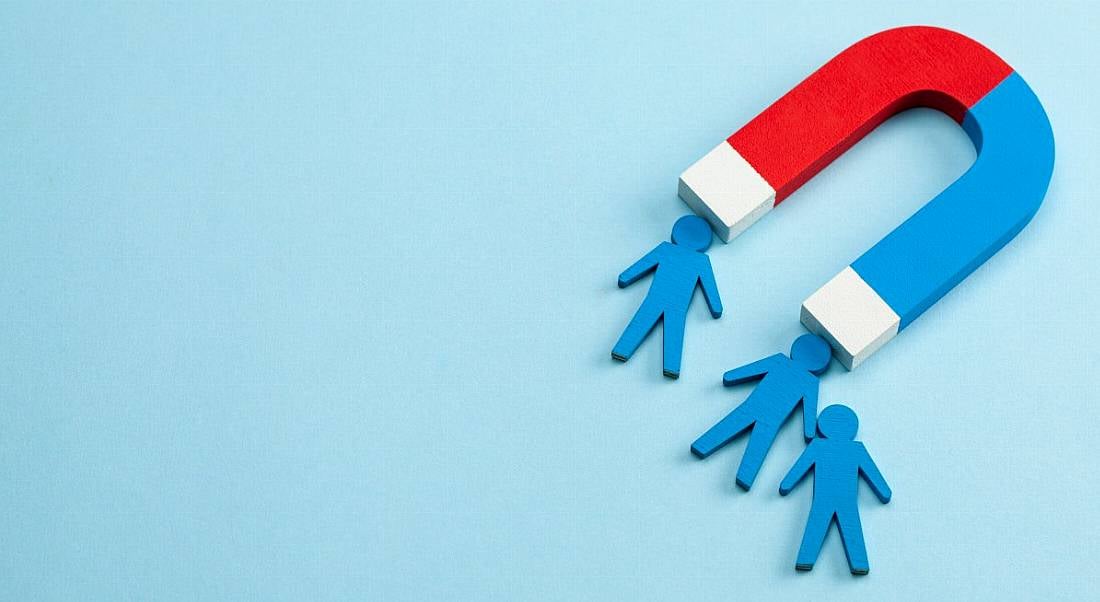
(748, 371)
(801, 467)
(710, 289)
(640, 268)
(809, 412)
(874, 478)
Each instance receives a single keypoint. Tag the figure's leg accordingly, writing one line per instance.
(643, 322)
(760, 441)
(817, 526)
(674, 323)
(851, 532)
(722, 433)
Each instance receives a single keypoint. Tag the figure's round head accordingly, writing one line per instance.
(811, 352)
(693, 232)
(838, 422)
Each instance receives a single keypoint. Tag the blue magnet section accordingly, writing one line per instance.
(936, 248)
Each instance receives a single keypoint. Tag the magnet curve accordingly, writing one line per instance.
(889, 286)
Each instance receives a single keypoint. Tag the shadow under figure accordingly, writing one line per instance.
(838, 462)
(680, 266)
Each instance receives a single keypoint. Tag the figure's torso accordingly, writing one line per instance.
(780, 391)
(836, 472)
(676, 277)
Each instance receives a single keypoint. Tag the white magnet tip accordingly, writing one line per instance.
(723, 188)
(849, 314)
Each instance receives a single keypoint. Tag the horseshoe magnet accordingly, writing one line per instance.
(897, 279)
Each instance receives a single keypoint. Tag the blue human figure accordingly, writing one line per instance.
(680, 265)
(785, 383)
(838, 462)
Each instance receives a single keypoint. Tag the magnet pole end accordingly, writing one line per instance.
(723, 188)
(849, 314)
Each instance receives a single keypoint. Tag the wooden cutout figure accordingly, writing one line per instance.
(680, 266)
(785, 383)
(838, 461)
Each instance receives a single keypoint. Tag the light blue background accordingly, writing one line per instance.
(316, 302)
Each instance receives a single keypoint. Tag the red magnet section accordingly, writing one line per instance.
(866, 84)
